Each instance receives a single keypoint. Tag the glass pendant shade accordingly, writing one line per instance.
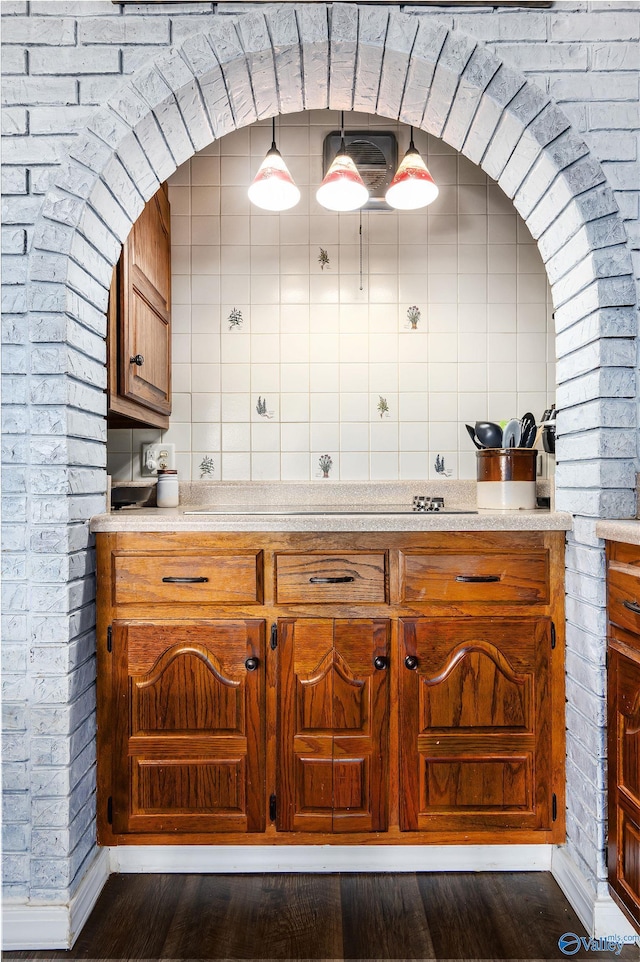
(273, 187)
(413, 186)
(342, 188)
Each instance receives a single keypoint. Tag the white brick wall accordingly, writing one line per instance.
(65, 55)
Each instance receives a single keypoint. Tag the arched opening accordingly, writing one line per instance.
(452, 88)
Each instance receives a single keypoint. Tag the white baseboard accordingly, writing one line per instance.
(29, 925)
(599, 914)
(331, 858)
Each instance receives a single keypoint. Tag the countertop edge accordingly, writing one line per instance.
(626, 531)
(174, 520)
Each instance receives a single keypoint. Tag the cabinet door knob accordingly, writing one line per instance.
(380, 662)
(251, 664)
(137, 359)
(632, 606)
(411, 662)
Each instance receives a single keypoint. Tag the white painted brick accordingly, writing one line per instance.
(514, 26)
(614, 115)
(120, 184)
(594, 204)
(254, 35)
(14, 180)
(54, 31)
(596, 504)
(14, 61)
(399, 43)
(606, 26)
(40, 179)
(372, 31)
(590, 87)
(597, 474)
(622, 175)
(14, 269)
(206, 68)
(35, 150)
(614, 56)
(124, 30)
(72, 8)
(97, 90)
(585, 174)
(477, 74)
(14, 121)
(180, 79)
(608, 382)
(605, 292)
(543, 57)
(525, 106)
(314, 39)
(602, 233)
(605, 443)
(283, 29)
(113, 216)
(74, 60)
(224, 39)
(501, 90)
(606, 262)
(39, 90)
(13, 538)
(428, 44)
(605, 352)
(610, 145)
(20, 210)
(14, 359)
(610, 322)
(64, 120)
(14, 480)
(454, 56)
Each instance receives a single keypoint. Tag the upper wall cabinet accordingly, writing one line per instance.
(139, 382)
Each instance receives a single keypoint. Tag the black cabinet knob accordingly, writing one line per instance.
(137, 359)
(411, 662)
(380, 662)
(251, 664)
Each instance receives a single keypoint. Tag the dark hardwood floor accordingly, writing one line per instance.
(485, 916)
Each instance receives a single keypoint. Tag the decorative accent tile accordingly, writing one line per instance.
(323, 259)
(325, 463)
(235, 319)
(383, 407)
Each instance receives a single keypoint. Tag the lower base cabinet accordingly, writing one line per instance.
(401, 711)
(188, 726)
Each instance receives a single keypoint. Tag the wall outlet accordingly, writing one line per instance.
(154, 456)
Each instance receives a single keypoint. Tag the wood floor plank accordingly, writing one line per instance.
(383, 917)
(455, 916)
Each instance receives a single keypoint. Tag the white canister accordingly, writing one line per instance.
(167, 492)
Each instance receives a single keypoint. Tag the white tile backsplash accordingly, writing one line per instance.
(321, 360)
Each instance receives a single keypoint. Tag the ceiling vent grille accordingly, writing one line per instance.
(374, 154)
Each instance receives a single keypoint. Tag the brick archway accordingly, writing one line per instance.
(400, 67)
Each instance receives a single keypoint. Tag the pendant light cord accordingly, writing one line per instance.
(361, 288)
(273, 133)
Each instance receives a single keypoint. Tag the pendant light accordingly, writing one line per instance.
(273, 187)
(342, 188)
(413, 186)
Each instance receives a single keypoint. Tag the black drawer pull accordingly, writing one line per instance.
(343, 580)
(478, 579)
(185, 581)
(380, 663)
(251, 664)
(632, 606)
(411, 662)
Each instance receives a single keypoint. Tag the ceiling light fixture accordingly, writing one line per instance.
(342, 188)
(273, 187)
(413, 186)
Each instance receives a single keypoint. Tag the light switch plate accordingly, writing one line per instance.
(154, 456)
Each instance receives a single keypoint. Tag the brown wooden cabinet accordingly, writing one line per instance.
(139, 330)
(393, 700)
(333, 718)
(188, 726)
(624, 726)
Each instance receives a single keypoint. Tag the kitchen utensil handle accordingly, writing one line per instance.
(478, 579)
(332, 581)
(632, 606)
(184, 581)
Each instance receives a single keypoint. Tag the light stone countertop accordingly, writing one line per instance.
(626, 531)
(315, 497)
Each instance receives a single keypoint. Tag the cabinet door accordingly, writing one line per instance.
(475, 723)
(624, 774)
(333, 718)
(145, 309)
(189, 726)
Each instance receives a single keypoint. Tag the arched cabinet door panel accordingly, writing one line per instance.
(190, 726)
(333, 724)
(475, 724)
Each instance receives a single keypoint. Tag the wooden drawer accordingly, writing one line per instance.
(623, 586)
(478, 578)
(354, 578)
(200, 578)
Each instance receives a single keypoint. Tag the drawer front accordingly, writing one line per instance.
(624, 597)
(477, 578)
(198, 579)
(354, 578)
